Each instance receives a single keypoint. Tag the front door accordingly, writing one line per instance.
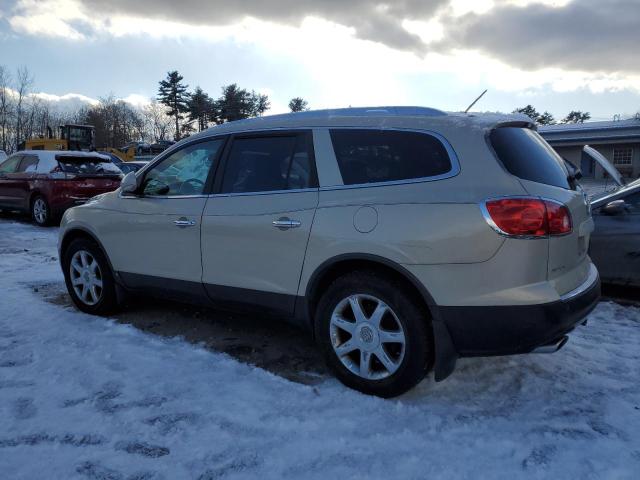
(153, 238)
(9, 191)
(256, 227)
(615, 243)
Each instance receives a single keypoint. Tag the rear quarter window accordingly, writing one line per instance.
(372, 156)
(528, 156)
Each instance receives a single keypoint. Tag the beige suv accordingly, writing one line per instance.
(402, 237)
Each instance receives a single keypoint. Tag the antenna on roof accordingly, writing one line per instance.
(475, 101)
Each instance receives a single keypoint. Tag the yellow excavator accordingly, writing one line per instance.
(75, 137)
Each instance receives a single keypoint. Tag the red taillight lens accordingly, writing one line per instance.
(559, 218)
(531, 217)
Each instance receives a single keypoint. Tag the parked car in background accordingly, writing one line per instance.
(46, 183)
(141, 148)
(160, 146)
(402, 237)
(125, 167)
(615, 243)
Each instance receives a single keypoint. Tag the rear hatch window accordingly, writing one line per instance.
(87, 166)
(528, 156)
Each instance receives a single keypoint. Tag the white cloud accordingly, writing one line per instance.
(68, 97)
(344, 70)
(137, 100)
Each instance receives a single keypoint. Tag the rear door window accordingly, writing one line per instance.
(371, 156)
(29, 164)
(268, 163)
(87, 165)
(528, 156)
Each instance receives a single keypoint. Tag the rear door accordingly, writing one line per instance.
(542, 173)
(9, 193)
(256, 227)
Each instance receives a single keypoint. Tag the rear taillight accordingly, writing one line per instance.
(527, 217)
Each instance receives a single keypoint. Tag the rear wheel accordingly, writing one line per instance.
(40, 211)
(89, 278)
(375, 338)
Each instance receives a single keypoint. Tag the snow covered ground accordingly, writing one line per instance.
(89, 397)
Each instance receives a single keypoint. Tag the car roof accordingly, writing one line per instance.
(386, 116)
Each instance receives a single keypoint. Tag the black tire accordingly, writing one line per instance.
(40, 211)
(410, 313)
(108, 302)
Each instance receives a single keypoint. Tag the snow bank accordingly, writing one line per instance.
(85, 397)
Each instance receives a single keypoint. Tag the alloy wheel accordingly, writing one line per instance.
(367, 337)
(86, 277)
(40, 210)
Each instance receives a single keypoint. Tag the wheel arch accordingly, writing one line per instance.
(329, 270)
(33, 194)
(75, 233)
(332, 268)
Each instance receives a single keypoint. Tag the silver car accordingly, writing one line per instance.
(403, 238)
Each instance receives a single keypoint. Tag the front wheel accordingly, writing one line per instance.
(88, 277)
(375, 337)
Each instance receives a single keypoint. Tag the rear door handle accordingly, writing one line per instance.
(184, 222)
(285, 223)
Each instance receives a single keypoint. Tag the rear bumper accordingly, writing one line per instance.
(507, 330)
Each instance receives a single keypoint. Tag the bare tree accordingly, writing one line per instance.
(6, 107)
(24, 82)
(157, 120)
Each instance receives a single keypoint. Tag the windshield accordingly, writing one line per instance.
(87, 165)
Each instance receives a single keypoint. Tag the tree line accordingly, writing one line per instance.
(545, 118)
(175, 113)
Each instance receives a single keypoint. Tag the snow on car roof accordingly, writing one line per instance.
(66, 153)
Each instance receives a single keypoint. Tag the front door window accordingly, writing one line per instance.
(184, 172)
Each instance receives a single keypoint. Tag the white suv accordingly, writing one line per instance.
(402, 237)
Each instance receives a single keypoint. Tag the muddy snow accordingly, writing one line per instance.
(164, 391)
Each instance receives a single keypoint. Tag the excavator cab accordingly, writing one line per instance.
(78, 137)
(72, 137)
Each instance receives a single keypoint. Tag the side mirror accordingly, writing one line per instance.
(617, 207)
(129, 183)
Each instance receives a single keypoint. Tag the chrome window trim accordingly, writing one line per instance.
(267, 192)
(161, 197)
(453, 158)
(592, 278)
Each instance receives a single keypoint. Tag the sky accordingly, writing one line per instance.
(558, 55)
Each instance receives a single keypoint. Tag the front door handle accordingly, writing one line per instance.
(285, 223)
(184, 222)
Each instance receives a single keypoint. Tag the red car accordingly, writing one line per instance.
(46, 183)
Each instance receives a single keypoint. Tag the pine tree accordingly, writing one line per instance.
(546, 119)
(237, 104)
(173, 94)
(298, 104)
(202, 109)
(540, 118)
(576, 116)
